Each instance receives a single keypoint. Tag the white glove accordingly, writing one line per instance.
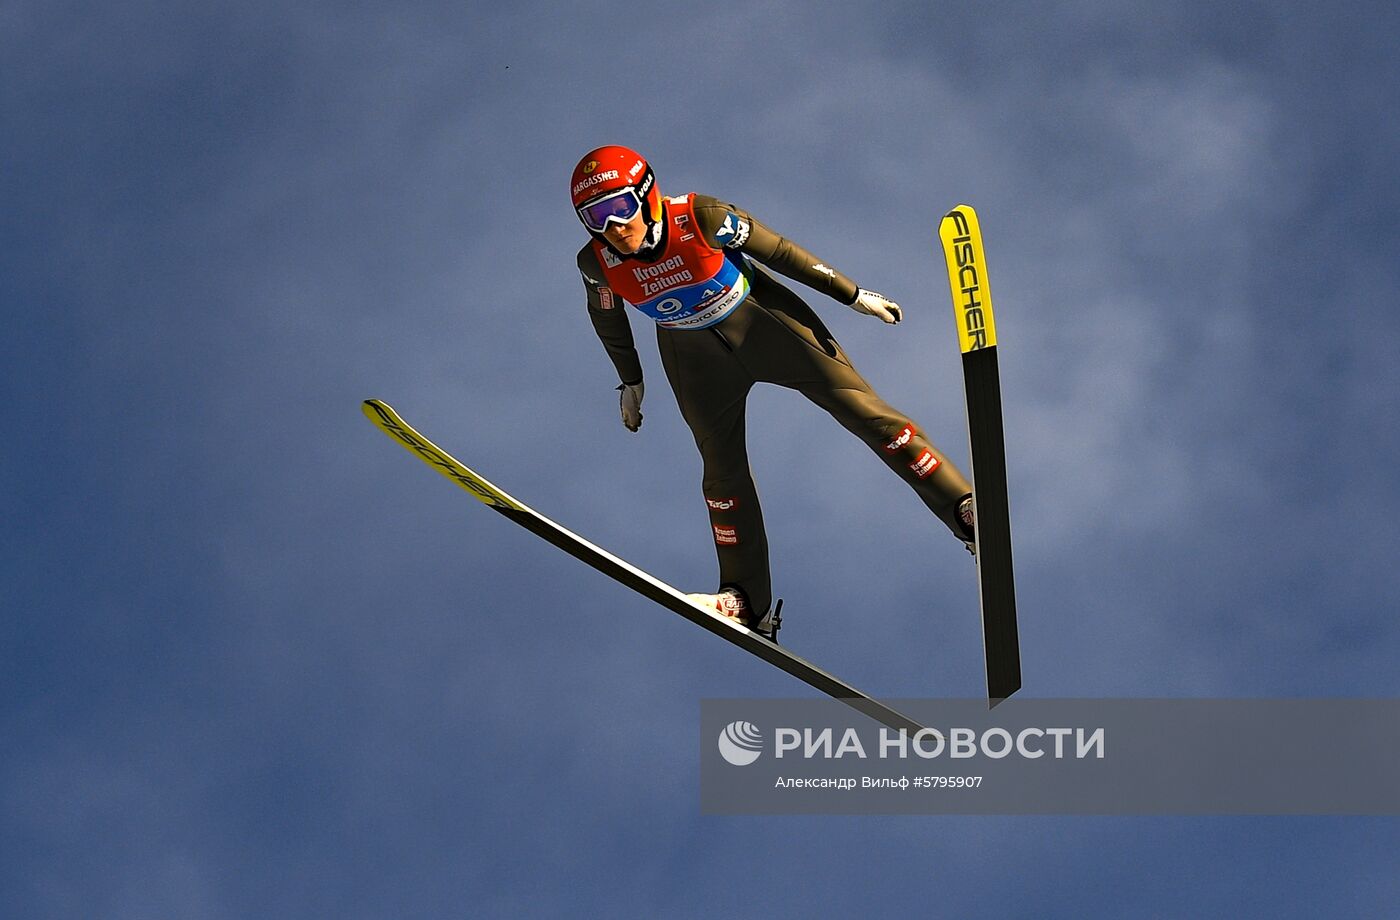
(631, 401)
(874, 304)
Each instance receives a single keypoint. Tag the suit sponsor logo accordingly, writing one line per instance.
(925, 465)
(735, 228)
(722, 504)
(726, 536)
(901, 440)
(663, 275)
(609, 259)
(643, 272)
(662, 284)
(605, 298)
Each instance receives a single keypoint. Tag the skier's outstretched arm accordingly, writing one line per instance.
(605, 311)
(730, 227)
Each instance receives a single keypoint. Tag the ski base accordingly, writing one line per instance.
(977, 339)
(388, 421)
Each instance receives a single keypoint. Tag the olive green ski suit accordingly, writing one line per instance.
(772, 337)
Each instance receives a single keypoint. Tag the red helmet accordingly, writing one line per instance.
(611, 184)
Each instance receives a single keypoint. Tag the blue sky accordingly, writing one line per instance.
(255, 661)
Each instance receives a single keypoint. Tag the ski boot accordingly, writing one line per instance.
(966, 517)
(732, 604)
(729, 603)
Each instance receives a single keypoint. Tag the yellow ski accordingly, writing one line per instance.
(388, 421)
(977, 339)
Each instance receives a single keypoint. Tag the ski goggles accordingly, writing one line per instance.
(619, 207)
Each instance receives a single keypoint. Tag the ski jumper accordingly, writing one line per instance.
(723, 323)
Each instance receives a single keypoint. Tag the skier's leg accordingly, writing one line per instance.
(799, 352)
(711, 388)
(904, 448)
(736, 519)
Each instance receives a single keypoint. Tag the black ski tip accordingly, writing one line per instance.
(1002, 694)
